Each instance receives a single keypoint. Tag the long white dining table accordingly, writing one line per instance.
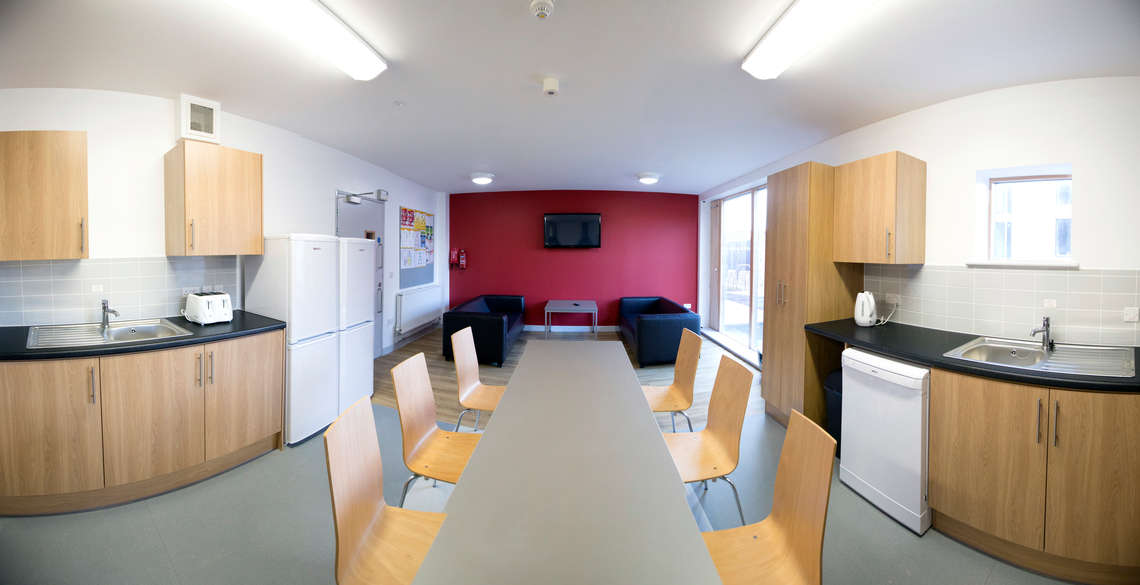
(571, 484)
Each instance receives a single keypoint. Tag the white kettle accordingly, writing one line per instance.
(865, 313)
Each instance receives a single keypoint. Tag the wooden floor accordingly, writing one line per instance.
(442, 374)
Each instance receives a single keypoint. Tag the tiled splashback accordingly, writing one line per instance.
(70, 291)
(1009, 302)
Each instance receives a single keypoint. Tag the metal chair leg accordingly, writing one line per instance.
(460, 419)
(477, 420)
(690, 421)
(673, 419)
(737, 495)
(407, 484)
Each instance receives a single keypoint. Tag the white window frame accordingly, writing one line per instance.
(983, 238)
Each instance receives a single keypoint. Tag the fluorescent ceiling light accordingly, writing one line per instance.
(482, 178)
(803, 27)
(648, 178)
(310, 24)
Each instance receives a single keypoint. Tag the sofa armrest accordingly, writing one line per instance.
(658, 335)
(505, 303)
(488, 329)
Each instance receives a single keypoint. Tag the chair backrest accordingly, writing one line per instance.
(727, 404)
(803, 485)
(685, 369)
(356, 479)
(466, 360)
(415, 402)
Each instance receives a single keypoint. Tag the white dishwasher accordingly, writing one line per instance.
(885, 410)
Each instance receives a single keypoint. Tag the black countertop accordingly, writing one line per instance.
(14, 339)
(926, 346)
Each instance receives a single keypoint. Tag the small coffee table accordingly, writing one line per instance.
(571, 307)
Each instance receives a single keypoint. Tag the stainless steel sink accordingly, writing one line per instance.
(1089, 360)
(88, 334)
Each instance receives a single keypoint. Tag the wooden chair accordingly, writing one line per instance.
(375, 543)
(473, 394)
(428, 451)
(713, 452)
(787, 546)
(678, 396)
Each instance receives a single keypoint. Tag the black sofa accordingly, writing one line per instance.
(652, 326)
(496, 321)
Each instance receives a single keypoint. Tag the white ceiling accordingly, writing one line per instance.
(647, 85)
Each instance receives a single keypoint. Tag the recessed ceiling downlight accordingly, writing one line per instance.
(482, 178)
(648, 178)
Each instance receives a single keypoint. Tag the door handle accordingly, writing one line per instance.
(82, 234)
(1039, 420)
(211, 368)
(193, 235)
(91, 373)
(198, 370)
(1056, 419)
(888, 243)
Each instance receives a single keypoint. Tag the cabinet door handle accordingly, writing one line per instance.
(91, 374)
(211, 368)
(198, 370)
(82, 234)
(193, 235)
(1056, 419)
(1038, 420)
(888, 243)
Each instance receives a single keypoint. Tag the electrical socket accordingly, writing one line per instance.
(1131, 314)
(688, 306)
(96, 288)
(189, 289)
(1049, 303)
(892, 299)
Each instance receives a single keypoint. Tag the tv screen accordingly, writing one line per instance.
(572, 230)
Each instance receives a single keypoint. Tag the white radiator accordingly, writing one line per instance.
(418, 307)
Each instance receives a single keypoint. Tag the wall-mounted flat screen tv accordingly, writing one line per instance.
(572, 230)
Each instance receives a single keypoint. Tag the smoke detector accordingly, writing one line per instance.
(550, 86)
(541, 8)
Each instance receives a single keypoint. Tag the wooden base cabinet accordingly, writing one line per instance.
(1046, 478)
(802, 285)
(152, 413)
(244, 391)
(50, 427)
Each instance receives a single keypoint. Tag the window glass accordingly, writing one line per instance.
(1031, 218)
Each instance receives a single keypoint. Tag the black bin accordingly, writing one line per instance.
(833, 401)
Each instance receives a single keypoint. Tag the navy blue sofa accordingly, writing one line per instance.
(496, 321)
(652, 326)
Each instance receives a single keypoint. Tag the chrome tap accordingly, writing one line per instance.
(107, 310)
(1046, 337)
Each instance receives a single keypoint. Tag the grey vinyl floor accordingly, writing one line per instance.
(270, 522)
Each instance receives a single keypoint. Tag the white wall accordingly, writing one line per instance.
(1092, 124)
(128, 134)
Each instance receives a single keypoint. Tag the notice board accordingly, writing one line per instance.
(417, 247)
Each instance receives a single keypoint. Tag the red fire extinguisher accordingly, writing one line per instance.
(462, 259)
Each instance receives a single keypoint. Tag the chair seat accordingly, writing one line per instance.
(699, 456)
(443, 455)
(394, 547)
(483, 397)
(754, 555)
(666, 399)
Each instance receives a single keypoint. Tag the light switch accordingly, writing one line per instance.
(1131, 314)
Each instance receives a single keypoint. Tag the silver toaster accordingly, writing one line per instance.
(204, 308)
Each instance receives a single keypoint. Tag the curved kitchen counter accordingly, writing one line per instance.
(13, 340)
(925, 346)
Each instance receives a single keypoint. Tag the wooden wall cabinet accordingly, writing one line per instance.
(50, 427)
(43, 195)
(880, 210)
(1054, 472)
(802, 285)
(213, 200)
(152, 413)
(244, 391)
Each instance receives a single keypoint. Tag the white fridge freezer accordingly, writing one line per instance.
(296, 280)
(311, 400)
(355, 349)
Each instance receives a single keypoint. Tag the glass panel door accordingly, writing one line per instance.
(759, 237)
(736, 268)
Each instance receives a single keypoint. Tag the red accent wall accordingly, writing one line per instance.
(649, 248)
